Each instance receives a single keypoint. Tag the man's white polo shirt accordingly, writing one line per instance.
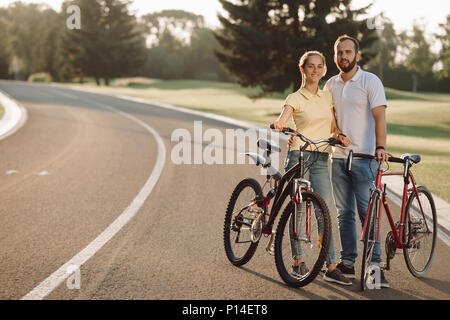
(353, 101)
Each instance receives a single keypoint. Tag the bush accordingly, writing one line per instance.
(40, 77)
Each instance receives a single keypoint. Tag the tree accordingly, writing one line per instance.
(109, 44)
(419, 60)
(172, 54)
(47, 47)
(444, 55)
(386, 48)
(4, 52)
(262, 41)
(171, 28)
(79, 50)
(201, 63)
(122, 42)
(28, 27)
(165, 64)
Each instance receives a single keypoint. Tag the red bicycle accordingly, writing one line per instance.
(416, 231)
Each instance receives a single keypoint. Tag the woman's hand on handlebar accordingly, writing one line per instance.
(278, 125)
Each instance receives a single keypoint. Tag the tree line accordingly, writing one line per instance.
(112, 42)
(258, 44)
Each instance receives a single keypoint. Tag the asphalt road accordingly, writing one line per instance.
(76, 166)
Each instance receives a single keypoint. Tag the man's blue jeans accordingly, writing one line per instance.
(319, 177)
(351, 193)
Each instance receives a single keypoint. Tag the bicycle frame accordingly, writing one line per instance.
(291, 181)
(408, 177)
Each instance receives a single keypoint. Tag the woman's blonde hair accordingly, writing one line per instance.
(304, 59)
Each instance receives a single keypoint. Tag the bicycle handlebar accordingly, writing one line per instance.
(287, 131)
(372, 157)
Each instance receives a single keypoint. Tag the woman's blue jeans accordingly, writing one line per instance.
(319, 177)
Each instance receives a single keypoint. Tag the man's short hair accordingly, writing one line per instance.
(347, 37)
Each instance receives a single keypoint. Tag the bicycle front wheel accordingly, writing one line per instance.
(419, 233)
(368, 275)
(309, 242)
(240, 214)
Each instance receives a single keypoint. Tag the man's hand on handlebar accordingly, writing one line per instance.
(382, 155)
(344, 140)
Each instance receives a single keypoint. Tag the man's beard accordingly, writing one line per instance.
(348, 68)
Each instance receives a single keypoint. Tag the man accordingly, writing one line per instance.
(360, 104)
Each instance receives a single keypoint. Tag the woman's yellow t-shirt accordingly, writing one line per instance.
(312, 116)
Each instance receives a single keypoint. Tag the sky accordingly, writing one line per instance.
(428, 13)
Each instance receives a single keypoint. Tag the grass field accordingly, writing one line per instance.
(417, 123)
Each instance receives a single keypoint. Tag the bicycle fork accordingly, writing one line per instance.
(300, 184)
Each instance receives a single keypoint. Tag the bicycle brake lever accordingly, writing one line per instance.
(333, 142)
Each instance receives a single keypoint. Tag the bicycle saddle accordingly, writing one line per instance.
(415, 158)
(268, 145)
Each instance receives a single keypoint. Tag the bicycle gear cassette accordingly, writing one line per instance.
(391, 245)
(256, 228)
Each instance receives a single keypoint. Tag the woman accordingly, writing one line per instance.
(312, 111)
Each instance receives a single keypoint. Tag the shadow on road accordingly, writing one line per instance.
(341, 292)
(375, 294)
(298, 291)
(440, 285)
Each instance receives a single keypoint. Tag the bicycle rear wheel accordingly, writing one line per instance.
(313, 250)
(368, 276)
(419, 234)
(240, 214)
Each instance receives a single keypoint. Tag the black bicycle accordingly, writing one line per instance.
(304, 224)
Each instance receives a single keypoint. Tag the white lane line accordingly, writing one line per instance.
(64, 94)
(43, 94)
(9, 172)
(55, 279)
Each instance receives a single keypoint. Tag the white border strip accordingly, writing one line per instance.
(235, 122)
(208, 115)
(14, 117)
(55, 279)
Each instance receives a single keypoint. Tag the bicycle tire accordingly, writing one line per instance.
(408, 232)
(369, 239)
(288, 277)
(239, 260)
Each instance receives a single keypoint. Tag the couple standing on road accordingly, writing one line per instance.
(352, 102)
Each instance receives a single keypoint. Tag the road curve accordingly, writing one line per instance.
(75, 166)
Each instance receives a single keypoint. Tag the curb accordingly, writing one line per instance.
(14, 117)
(212, 116)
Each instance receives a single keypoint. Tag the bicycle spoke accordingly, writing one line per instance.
(311, 250)
(419, 234)
(241, 212)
